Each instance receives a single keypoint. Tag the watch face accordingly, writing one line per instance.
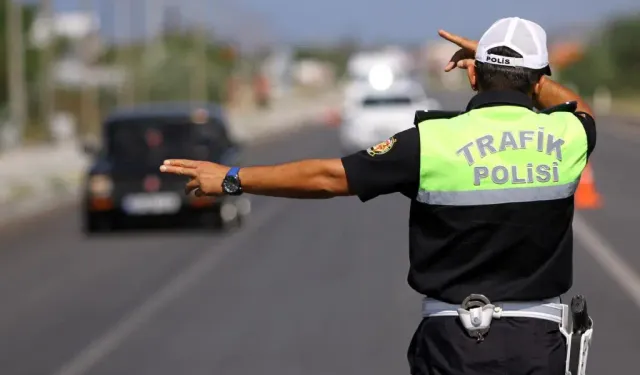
(231, 184)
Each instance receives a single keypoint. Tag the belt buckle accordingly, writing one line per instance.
(476, 301)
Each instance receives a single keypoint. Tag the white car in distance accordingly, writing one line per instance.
(370, 115)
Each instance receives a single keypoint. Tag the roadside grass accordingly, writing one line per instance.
(628, 106)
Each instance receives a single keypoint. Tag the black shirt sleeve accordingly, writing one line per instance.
(386, 169)
(590, 129)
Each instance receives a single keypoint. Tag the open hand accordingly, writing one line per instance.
(206, 177)
(465, 56)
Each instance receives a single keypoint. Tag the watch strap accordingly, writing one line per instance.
(233, 171)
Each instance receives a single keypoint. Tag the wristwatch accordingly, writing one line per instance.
(231, 183)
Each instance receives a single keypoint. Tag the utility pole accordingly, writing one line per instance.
(199, 78)
(123, 19)
(199, 86)
(151, 46)
(154, 46)
(47, 88)
(15, 67)
(90, 98)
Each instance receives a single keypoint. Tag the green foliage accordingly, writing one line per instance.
(166, 68)
(612, 59)
(163, 72)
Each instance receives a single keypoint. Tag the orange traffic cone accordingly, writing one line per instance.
(587, 197)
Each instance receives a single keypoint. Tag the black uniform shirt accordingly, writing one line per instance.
(508, 252)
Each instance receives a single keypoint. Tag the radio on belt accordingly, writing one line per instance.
(578, 337)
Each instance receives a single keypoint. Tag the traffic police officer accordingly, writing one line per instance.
(491, 213)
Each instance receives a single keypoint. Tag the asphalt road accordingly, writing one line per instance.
(307, 287)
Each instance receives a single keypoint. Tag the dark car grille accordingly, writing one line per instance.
(140, 184)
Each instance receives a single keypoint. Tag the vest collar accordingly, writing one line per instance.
(496, 98)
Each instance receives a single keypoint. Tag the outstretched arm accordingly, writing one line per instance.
(314, 178)
(392, 166)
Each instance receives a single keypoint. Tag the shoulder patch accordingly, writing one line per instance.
(382, 147)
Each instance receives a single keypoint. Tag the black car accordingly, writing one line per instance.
(123, 185)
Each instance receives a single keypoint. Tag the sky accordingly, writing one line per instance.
(369, 20)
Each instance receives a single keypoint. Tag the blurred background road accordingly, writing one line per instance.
(304, 287)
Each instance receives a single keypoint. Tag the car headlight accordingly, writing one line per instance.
(100, 185)
(381, 77)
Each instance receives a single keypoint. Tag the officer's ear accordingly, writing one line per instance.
(537, 88)
(473, 78)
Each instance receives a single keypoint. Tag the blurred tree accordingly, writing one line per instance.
(166, 72)
(31, 54)
(623, 40)
(612, 59)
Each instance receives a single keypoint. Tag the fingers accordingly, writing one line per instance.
(450, 66)
(458, 40)
(464, 64)
(192, 186)
(180, 171)
(457, 62)
(180, 167)
(182, 163)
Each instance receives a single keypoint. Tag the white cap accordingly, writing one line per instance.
(525, 37)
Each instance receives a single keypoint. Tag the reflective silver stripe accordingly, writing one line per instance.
(498, 196)
(550, 309)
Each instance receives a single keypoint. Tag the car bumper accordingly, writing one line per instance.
(195, 208)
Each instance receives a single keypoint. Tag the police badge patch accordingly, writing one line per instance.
(382, 147)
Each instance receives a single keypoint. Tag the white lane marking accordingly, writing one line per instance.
(104, 345)
(610, 261)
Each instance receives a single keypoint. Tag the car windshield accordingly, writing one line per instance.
(142, 144)
(386, 101)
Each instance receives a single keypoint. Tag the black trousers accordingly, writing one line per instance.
(513, 346)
